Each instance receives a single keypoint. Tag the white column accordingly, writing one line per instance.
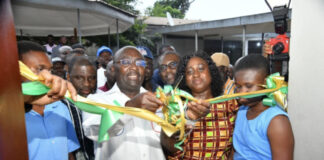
(306, 74)
(246, 49)
(196, 40)
(243, 42)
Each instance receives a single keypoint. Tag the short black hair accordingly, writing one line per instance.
(79, 61)
(253, 61)
(216, 80)
(50, 35)
(27, 46)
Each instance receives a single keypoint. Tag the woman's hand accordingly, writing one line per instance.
(198, 109)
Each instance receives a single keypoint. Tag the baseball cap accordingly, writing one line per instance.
(221, 59)
(57, 59)
(104, 49)
(145, 52)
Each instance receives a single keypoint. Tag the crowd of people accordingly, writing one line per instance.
(235, 129)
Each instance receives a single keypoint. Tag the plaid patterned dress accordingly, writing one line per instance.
(212, 136)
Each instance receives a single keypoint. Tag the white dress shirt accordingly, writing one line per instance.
(129, 138)
(101, 78)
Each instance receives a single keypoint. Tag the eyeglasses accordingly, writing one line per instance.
(128, 62)
(172, 65)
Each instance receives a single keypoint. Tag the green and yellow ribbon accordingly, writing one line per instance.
(276, 92)
(109, 113)
(173, 109)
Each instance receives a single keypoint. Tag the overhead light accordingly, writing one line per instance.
(258, 44)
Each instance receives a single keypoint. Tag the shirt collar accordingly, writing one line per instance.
(47, 108)
(115, 88)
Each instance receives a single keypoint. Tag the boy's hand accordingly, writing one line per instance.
(58, 89)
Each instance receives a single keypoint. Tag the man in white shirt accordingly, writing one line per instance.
(130, 137)
(104, 55)
(50, 44)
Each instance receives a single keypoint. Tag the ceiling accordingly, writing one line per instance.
(60, 17)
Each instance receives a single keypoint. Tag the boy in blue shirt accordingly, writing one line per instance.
(261, 132)
(50, 133)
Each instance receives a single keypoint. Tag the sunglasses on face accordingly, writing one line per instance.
(128, 62)
(172, 65)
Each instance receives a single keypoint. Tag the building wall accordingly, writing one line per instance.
(306, 75)
(184, 45)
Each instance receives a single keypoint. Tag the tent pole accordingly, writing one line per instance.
(117, 33)
(262, 41)
(79, 27)
(163, 38)
(108, 36)
(222, 44)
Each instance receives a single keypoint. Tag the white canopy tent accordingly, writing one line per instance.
(62, 17)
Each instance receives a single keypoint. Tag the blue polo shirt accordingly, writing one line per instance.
(51, 136)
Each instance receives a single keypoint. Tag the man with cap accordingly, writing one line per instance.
(222, 62)
(64, 51)
(78, 48)
(58, 67)
(58, 60)
(148, 82)
(104, 55)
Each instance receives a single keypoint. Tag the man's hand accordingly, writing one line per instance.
(267, 49)
(58, 89)
(198, 109)
(146, 101)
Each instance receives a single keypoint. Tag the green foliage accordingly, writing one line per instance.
(133, 36)
(177, 8)
(160, 11)
(127, 5)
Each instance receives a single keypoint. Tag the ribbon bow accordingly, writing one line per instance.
(174, 110)
(279, 97)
